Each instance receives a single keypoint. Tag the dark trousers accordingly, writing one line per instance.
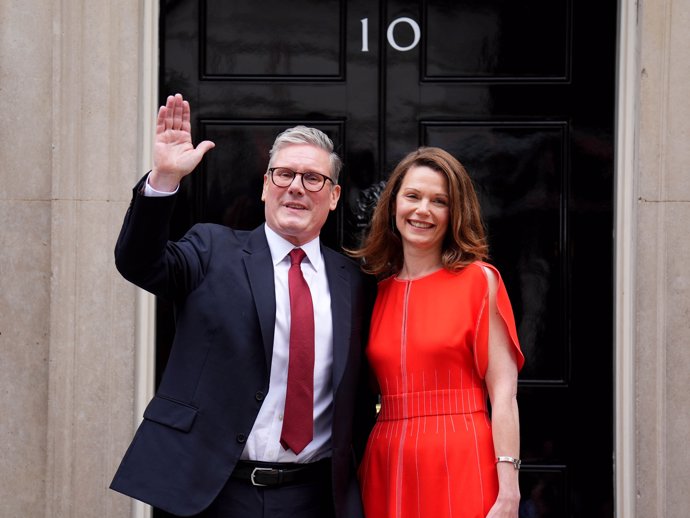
(240, 499)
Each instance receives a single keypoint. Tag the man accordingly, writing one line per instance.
(254, 414)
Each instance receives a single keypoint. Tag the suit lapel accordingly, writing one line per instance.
(339, 286)
(259, 266)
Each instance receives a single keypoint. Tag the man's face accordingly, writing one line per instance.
(293, 212)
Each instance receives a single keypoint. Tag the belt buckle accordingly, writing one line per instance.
(253, 480)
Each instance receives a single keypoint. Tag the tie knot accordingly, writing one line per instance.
(296, 256)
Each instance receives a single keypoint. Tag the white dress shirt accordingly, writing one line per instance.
(263, 443)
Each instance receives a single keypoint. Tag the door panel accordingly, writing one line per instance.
(522, 93)
(301, 42)
(519, 170)
(496, 40)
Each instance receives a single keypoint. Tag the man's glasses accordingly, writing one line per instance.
(312, 182)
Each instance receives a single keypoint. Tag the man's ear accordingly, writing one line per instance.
(335, 196)
(263, 189)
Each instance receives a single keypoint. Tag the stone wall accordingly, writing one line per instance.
(71, 147)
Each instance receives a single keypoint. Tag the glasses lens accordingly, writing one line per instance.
(313, 181)
(282, 177)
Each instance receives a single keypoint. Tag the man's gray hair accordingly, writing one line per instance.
(306, 135)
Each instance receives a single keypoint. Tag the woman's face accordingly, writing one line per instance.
(421, 209)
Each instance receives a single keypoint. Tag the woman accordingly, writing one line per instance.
(442, 338)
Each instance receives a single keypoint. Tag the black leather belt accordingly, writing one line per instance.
(267, 474)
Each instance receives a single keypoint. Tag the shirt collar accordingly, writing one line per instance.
(281, 247)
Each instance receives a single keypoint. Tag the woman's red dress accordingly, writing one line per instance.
(431, 453)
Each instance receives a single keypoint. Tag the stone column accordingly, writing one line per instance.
(662, 280)
(25, 253)
(95, 115)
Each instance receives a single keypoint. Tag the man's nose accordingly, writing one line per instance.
(296, 183)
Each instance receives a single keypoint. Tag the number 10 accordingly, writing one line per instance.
(389, 34)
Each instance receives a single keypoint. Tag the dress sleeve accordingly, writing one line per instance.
(505, 310)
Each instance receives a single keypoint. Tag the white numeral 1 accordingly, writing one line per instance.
(365, 34)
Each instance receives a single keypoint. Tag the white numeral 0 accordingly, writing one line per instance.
(415, 29)
(389, 34)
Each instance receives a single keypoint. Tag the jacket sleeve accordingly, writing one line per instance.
(145, 256)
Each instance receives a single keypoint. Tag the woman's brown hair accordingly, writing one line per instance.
(465, 241)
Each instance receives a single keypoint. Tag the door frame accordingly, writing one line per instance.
(624, 251)
(145, 318)
(624, 260)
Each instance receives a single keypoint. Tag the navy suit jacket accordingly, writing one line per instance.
(221, 283)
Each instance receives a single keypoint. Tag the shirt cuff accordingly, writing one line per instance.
(153, 193)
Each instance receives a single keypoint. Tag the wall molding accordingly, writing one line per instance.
(145, 348)
(624, 270)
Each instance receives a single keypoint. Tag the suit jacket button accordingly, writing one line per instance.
(241, 438)
(259, 396)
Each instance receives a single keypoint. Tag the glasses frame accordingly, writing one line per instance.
(295, 173)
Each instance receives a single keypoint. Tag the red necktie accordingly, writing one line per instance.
(298, 420)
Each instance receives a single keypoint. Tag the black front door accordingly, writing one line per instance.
(521, 92)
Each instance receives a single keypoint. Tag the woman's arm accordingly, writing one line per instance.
(501, 382)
